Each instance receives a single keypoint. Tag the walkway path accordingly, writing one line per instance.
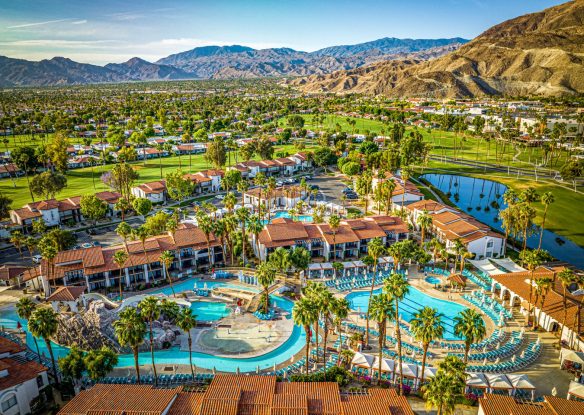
(438, 198)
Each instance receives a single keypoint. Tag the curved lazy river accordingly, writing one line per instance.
(483, 199)
(412, 302)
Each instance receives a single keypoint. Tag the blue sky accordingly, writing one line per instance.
(101, 31)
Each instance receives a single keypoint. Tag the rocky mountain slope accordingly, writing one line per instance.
(139, 69)
(536, 54)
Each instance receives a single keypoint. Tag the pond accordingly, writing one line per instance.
(483, 199)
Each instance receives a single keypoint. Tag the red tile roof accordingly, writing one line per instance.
(19, 371)
(70, 293)
(8, 346)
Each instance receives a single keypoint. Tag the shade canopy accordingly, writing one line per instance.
(387, 365)
(359, 264)
(362, 360)
(576, 389)
(498, 381)
(314, 267)
(477, 381)
(571, 356)
(486, 266)
(349, 264)
(409, 370)
(326, 265)
(520, 381)
(508, 264)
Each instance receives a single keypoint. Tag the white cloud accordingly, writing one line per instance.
(38, 23)
(79, 22)
(61, 43)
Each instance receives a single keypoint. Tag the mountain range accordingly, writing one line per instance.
(222, 62)
(538, 54)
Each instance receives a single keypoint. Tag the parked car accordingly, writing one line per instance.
(348, 190)
(351, 196)
(37, 259)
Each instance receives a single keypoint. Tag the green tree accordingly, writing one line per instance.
(426, 326)
(187, 321)
(121, 179)
(25, 307)
(305, 314)
(469, 326)
(280, 259)
(93, 208)
(381, 309)
(120, 258)
(231, 179)
(567, 278)
(5, 203)
(376, 250)
(167, 258)
(424, 221)
(150, 312)
(242, 215)
(266, 275)
(142, 206)
(300, 259)
(73, 365)
(445, 389)
(130, 330)
(334, 222)
(177, 186)
(43, 323)
(547, 199)
(17, 239)
(216, 153)
(100, 362)
(340, 309)
(531, 261)
(57, 151)
(47, 184)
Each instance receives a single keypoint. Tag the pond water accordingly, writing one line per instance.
(483, 199)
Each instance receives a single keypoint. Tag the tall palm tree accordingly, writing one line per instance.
(469, 326)
(206, 225)
(280, 259)
(242, 215)
(150, 311)
(130, 330)
(389, 186)
(304, 314)
(187, 321)
(381, 309)
(25, 307)
(17, 239)
(426, 326)
(266, 274)
(531, 260)
(120, 258)
(229, 201)
(230, 227)
(43, 323)
(142, 233)
(334, 222)
(397, 287)
(542, 288)
(255, 226)
(424, 221)
(167, 258)
(340, 309)
(260, 181)
(376, 249)
(405, 174)
(547, 199)
(567, 278)
(324, 303)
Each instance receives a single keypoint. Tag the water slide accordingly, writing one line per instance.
(100, 297)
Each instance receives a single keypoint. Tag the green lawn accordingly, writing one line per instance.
(84, 181)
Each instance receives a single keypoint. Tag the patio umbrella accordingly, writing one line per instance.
(285, 374)
(195, 369)
(214, 370)
(274, 367)
(258, 369)
(513, 358)
(292, 359)
(484, 361)
(315, 367)
(237, 370)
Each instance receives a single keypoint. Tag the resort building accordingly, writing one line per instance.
(450, 225)
(492, 404)
(21, 380)
(237, 395)
(95, 268)
(285, 197)
(284, 166)
(206, 181)
(402, 194)
(153, 191)
(14, 275)
(348, 241)
(514, 290)
(57, 212)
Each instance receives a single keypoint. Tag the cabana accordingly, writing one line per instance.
(457, 280)
(347, 266)
(327, 269)
(576, 391)
(485, 266)
(362, 360)
(477, 383)
(359, 264)
(387, 262)
(498, 383)
(429, 372)
(387, 365)
(315, 271)
(570, 359)
(410, 372)
(508, 264)
(521, 383)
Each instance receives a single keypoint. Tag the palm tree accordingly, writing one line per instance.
(242, 215)
(445, 389)
(547, 199)
(260, 180)
(142, 233)
(229, 201)
(255, 226)
(187, 321)
(531, 260)
(167, 258)
(17, 239)
(206, 225)
(376, 249)
(324, 304)
(426, 326)
(25, 307)
(280, 259)
(300, 259)
(470, 326)
(397, 287)
(334, 222)
(424, 221)
(43, 323)
(150, 311)
(304, 314)
(340, 309)
(266, 274)
(405, 174)
(130, 330)
(389, 188)
(567, 278)
(542, 288)
(381, 309)
(120, 258)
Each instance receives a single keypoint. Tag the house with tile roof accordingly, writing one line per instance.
(284, 166)
(66, 298)
(348, 241)
(406, 194)
(206, 181)
(14, 275)
(95, 268)
(22, 381)
(491, 404)
(153, 191)
(237, 395)
(284, 197)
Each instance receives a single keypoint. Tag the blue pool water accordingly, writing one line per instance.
(477, 197)
(433, 280)
(284, 214)
(414, 301)
(174, 355)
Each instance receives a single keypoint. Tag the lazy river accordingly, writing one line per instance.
(483, 199)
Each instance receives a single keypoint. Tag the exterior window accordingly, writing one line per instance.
(40, 382)
(9, 403)
(490, 244)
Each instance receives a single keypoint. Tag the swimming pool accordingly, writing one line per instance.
(174, 355)
(433, 280)
(414, 301)
(284, 214)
